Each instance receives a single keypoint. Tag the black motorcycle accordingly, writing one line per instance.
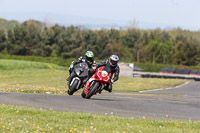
(80, 73)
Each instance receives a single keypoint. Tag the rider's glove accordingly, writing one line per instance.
(71, 66)
(112, 81)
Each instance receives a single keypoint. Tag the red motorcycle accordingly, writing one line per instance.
(97, 82)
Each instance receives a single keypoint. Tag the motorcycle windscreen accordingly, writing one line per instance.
(107, 69)
(81, 69)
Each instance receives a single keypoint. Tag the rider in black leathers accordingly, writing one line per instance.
(112, 62)
(89, 59)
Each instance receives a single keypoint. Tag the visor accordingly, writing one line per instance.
(89, 59)
(113, 62)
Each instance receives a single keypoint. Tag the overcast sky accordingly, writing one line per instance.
(182, 13)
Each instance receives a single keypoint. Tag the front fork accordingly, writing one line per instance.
(79, 82)
(102, 86)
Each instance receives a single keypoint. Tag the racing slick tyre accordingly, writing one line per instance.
(72, 88)
(92, 90)
(83, 94)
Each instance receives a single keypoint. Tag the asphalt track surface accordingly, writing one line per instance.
(181, 103)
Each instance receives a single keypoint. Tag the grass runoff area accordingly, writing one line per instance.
(25, 119)
(35, 77)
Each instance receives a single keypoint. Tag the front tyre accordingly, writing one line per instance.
(92, 90)
(83, 94)
(72, 88)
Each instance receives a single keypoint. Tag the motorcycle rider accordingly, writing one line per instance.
(89, 59)
(112, 62)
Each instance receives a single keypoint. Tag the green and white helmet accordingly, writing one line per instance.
(89, 55)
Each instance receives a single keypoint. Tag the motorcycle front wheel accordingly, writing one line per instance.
(92, 90)
(72, 88)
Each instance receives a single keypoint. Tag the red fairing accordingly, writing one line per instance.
(98, 76)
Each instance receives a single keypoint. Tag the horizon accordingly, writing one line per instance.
(154, 26)
(148, 15)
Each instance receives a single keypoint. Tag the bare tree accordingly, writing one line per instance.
(47, 20)
(133, 24)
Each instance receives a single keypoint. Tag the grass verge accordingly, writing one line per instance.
(129, 84)
(25, 119)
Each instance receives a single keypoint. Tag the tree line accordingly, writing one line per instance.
(155, 46)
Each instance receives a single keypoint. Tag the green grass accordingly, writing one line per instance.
(129, 84)
(25, 119)
(24, 65)
(55, 60)
(36, 77)
(32, 77)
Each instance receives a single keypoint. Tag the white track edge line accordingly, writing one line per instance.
(165, 88)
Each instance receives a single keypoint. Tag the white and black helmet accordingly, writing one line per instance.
(113, 60)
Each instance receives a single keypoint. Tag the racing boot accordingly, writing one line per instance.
(108, 88)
